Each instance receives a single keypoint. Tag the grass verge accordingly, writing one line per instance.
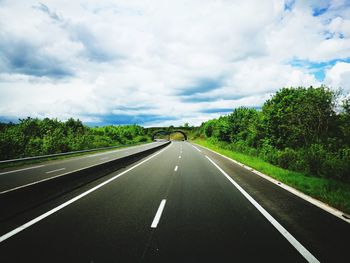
(332, 192)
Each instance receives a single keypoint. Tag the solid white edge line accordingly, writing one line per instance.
(295, 243)
(24, 169)
(333, 211)
(196, 148)
(57, 170)
(158, 214)
(54, 210)
(176, 167)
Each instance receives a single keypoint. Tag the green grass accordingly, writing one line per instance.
(332, 192)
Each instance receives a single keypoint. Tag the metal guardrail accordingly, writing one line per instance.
(63, 154)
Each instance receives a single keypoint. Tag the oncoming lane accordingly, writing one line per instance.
(19, 177)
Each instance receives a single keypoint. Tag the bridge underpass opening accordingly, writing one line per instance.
(177, 136)
(169, 135)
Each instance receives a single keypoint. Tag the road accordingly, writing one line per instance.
(16, 177)
(181, 204)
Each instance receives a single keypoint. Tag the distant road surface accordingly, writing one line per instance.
(180, 204)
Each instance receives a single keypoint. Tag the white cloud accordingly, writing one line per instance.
(91, 59)
(339, 76)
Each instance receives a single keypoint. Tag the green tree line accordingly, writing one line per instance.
(33, 137)
(300, 129)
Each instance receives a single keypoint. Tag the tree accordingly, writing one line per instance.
(209, 127)
(76, 126)
(222, 129)
(245, 125)
(298, 117)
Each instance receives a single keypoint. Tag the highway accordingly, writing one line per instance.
(180, 204)
(11, 178)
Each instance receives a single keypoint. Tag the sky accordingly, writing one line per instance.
(161, 63)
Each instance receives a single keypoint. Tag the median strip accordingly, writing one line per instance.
(158, 214)
(57, 170)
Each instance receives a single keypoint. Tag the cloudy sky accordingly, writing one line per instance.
(160, 62)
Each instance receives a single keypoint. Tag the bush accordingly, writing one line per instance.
(141, 139)
(288, 159)
(268, 153)
(315, 157)
(242, 146)
(338, 165)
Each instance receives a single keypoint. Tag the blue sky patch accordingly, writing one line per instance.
(217, 110)
(6, 119)
(197, 98)
(319, 11)
(134, 108)
(288, 5)
(317, 69)
(201, 86)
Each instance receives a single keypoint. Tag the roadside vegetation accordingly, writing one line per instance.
(301, 136)
(33, 137)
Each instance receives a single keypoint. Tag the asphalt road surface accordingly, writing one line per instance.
(181, 204)
(16, 177)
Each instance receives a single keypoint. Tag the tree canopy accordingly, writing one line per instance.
(303, 129)
(32, 137)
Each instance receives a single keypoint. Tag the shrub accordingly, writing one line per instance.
(337, 165)
(268, 153)
(315, 156)
(288, 158)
